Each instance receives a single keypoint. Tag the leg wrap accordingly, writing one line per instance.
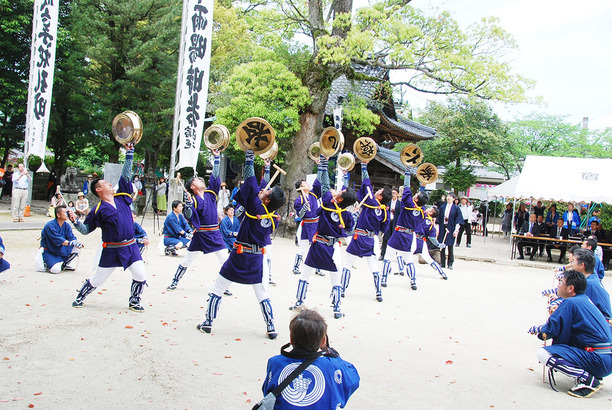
(137, 288)
(297, 263)
(301, 291)
(559, 364)
(377, 286)
(180, 271)
(400, 264)
(336, 298)
(213, 307)
(70, 258)
(336, 301)
(438, 268)
(410, 271)
(346, 278)
(386, 272)
(266, 311)
(86, 289)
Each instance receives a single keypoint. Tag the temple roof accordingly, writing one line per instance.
(393, 130)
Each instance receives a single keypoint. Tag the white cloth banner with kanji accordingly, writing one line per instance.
(194, 79)
(42, 64)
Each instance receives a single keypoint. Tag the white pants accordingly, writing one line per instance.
(222, 284)
(333, 276)
(18, 202)
(101, 274)
(222, 255)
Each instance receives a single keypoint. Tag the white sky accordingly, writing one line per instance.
(565, 46)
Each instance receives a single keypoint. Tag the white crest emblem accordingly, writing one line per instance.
(297, 392)
(416, 212)
(427, 222)
(378, 212)
(335, 217)
(265, 222)
(338, 376)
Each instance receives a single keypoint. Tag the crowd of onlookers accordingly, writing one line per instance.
(548, 222)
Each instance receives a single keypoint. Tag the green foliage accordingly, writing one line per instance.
(460, 178)
(132, 47)
(552, 135)
(606, 216)
(436, 195)
(357, 117)
(267, 90)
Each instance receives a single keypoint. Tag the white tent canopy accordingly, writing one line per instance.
(505, 190)
(565, 179)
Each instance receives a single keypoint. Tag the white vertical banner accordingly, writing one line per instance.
(42, 64)
(193, 81)
(338, 118)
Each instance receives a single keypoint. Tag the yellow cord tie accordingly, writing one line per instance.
(338, 210)
(380, 206)
(269, 215)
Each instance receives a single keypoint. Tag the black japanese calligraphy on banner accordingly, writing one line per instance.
(42, 64)
(193, 81)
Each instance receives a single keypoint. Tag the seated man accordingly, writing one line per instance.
(230, 226)
(60, 246)
(531, 229)
(596, 232)
(582, 340)
(559, 232)
(327, 383)
(142, 239)
(4, 265)
(177, 233)
(544, 231)
(82, 205)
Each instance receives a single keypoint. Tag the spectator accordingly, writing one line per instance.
(223, 199)
(177, 233)
(543, 231)
(575, 327)
(484, 212)
(60, 248)
(552, 216)
(235, 191)
(87, 185)
(466, 224)
(162, 202)
(532, 229)
(71, 206)
(333, 379)
(539, 209)
(82, 205)
(595, 217)
(229, 227)
(8, 182)
(558, 233)
(507, 220)
(21, 183)
(520, 217)
(591, 244)
(595, 231)
(51, 185)
(56, 201)
(475, 219)
(571, 219)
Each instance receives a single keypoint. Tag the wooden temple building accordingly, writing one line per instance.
(387, 168)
